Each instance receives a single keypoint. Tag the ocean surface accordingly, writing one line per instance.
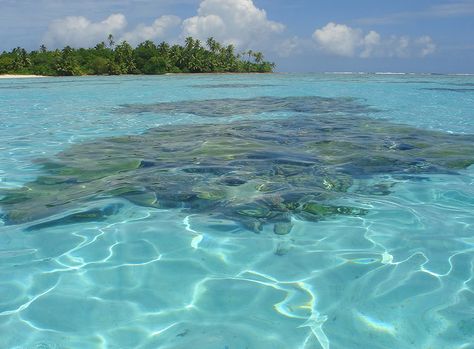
(237, 212)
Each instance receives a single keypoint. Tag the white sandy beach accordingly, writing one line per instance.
(12, 76)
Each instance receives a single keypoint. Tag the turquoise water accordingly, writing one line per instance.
(400, 276)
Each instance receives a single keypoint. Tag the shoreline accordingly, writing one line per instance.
(221, 73)
(33, 76)
(30, 76)
(19, 76)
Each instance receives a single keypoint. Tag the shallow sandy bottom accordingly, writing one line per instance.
(8, 76)
(400, 276)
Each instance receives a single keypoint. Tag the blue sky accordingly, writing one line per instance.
(299, 35)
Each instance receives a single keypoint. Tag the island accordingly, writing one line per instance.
(109, 58)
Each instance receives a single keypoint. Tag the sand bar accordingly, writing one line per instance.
(12, 76)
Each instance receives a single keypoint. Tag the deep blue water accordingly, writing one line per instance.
(400, 276)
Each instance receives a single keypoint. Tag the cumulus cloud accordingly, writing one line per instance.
(370, 43)
(241, 23)
(81, 32)
(293, 46)
(338, 39)
(78, 31)
(237, 22)
(159, 29)
(426, 45)
(342, 40)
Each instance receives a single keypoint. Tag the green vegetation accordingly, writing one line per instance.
(146, 58)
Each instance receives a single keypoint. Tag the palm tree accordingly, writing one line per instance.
(250, 53)
(124, 58)
(67, 63)
(100, 46)
(148, 58)
(111, 40)
(258, 57)
(177, 56)
(213, 45)
(164, 48)
(197, 44)
(189, 43)
(21, 58)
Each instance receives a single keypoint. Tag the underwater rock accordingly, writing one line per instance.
(94, 215)
(232, 181)
(318, 211)
(141, 198)
(282, 228)
(254, 210)
(283, 248)
(251, 172)
(254, 225)
(211, 194)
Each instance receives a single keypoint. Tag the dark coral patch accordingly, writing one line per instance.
(253, 172)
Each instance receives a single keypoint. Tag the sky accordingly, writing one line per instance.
(298, 35)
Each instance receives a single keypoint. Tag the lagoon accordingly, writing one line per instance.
(291, 211)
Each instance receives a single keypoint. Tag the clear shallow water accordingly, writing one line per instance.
(398, 277)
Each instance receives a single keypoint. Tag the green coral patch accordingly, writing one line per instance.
(322, 211)
(255, 173)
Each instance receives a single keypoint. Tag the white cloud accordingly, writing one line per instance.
(237, 22)
(241, 23)
(338, 39)
(81, 32)
(426, 44)
(342, 40)
(293, 46)
(370, 43)
(159, 29)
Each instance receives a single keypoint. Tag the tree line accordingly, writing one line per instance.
(109, 58)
